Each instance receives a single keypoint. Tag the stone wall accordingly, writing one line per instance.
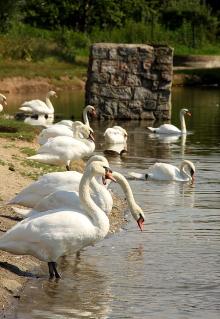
(130, 81)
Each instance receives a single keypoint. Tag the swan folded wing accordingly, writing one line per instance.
(168, 129)
(53, 131)
(50, 235)
(163, 171)
(37, 106)
(45, 185)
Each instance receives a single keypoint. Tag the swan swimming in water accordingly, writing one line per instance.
(38, 106)
(115, 135)
(168, 172)
(63, 232)
(172, 129)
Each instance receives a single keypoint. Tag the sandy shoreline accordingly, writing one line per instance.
(15, 271)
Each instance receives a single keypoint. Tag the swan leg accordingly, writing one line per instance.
(50, 267)
(67, 167)
(53, 270)
(54, 265)
(146, 176)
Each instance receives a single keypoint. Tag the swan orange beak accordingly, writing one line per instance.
(189, 113)
(108, 175)
(91, 137)
(93, 113)
(140, 222)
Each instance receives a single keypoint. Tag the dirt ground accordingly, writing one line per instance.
(15, 271)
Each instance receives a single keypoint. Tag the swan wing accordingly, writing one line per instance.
(45, 185)
(114, 136)
(163, 171)
(35, 106)
(167, 129)
(137, 175)
(53, 131)
(49, 235)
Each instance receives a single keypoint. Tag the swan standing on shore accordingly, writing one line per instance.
(61, 150)
(38, 106)
(168, 172)
(115, 135)
(172, 129)
(63, 232)
(62, 184)
(2, 102)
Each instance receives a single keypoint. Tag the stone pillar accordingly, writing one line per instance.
(130, 81)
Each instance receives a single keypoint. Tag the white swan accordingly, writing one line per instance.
(61, 130)
(38, 106)
(115, 135)
(63, 232)
(168, 172)
(172, 129)
(62, 150)
(61, 185)
(2, 102)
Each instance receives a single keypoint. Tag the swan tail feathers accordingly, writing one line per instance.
(138, 175)
(25, 109)
(22, 211)
(151, 129)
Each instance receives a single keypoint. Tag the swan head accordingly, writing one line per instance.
(91, 110)
(138, 215)
(185, 111)
(97, 168)
(3, 99)
(52, 93)
(96, 158)
(191, 168)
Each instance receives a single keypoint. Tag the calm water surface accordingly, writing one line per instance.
(172, 269)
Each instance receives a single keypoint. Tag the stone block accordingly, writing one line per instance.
(147, 115)
(149, 105)
(99, 51)
(109, 66)
(118, 93)
(141, 93)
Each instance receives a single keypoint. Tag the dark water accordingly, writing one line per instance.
(172, 269)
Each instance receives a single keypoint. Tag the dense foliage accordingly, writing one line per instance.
(35, 29)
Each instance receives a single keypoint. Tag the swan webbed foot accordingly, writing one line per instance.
(52, 266)
(146, 176)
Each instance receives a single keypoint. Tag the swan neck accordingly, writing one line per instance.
(99, 218)
(85, 117)
(49, 104)
(182, 123)
(121, 180)
(184, 172)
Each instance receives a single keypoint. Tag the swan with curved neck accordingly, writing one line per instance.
(62, 150)
(2, 102)
(57, 189)
(172, 129)
(168, 172)
(38, 106)
(63, 232)
(115, 135)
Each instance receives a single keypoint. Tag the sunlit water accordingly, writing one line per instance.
(172, 269)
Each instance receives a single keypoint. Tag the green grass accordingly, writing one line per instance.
(17, 130)
(49, 68)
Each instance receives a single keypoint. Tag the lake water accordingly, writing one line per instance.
(172, 268)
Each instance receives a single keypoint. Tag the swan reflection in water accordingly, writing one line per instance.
(42, 120)
(85, 293)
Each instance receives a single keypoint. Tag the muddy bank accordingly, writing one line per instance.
(15, 271)
(22, 85)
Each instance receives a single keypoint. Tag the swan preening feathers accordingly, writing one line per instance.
(64, 231)
(168, 172)
(115, 135)
(172, 129)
